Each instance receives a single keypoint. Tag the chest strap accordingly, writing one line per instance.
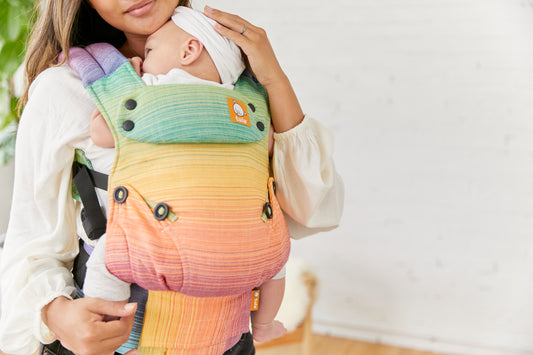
(92, 217)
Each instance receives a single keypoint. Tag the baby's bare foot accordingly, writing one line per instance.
(266, 332)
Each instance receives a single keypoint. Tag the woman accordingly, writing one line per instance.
(42, 237)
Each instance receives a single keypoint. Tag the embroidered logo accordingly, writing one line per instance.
(238, 112)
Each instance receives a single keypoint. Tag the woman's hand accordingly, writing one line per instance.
(254, 43)
(285, 109)
(83, 327)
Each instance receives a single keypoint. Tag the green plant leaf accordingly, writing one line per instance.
(12, 54)
(14, 21)
(7, 146)
(15, 18)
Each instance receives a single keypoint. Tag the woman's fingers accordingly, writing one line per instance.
(254, 43)
(81, 327)
(236, 37)
(115, 329)
(230, 21)
(103, 337)
(243, 33)
(111, 308)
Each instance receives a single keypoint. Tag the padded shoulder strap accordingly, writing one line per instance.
(107, 75)
(95, 61)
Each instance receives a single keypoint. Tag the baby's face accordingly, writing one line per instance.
(162, 49)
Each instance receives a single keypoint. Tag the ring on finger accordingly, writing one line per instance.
(243, 29)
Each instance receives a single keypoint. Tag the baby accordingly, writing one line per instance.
(186, 50)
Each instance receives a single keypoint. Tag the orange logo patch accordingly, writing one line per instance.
(255, 300)
(238, 111)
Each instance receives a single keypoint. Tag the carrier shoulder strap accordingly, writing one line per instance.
(85, 181)
(92, 63)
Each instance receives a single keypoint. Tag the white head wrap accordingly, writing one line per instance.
(224, 53)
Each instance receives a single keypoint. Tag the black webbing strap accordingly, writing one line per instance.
(80, 269)
(56, 349)
(99, 180)
(92, 217)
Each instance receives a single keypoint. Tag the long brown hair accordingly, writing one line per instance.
(61, 24)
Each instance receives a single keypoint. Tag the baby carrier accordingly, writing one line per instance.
(193, 216)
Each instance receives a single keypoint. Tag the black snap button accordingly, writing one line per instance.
(130, 104)
(128, 125)
(252, 107)
(161, 211)
(267, 210)
(260, 126)
(120, 194)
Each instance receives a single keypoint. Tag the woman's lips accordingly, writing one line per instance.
(141, 9)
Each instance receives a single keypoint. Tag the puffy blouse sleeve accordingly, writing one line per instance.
(41, 240)
(310, 191)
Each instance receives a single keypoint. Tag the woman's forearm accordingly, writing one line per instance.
(284, 106)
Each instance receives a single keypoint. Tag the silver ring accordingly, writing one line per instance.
(243, 29)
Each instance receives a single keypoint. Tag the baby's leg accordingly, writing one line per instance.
(100, 133)
(264, 327)
(99, 282)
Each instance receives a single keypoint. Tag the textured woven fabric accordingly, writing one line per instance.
(202, 151)
(218, 244)
(223, 323)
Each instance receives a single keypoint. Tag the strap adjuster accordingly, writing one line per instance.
(93, 219)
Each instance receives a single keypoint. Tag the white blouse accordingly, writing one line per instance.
(41, 241)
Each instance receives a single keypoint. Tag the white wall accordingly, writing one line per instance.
(431, 103)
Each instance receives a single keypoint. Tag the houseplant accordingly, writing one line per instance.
(15, 22)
